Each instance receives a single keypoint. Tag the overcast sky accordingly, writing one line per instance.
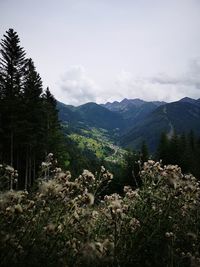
(105, 50)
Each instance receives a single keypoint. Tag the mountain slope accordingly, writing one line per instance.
(90, 114)
(136, 120)
(127, 104)
(133, 110)
(98, 116)
(176, 117)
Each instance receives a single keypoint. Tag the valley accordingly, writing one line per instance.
(100, 142)
(111, 127)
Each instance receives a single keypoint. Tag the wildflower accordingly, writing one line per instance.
(134, 224)
(58, 169)
(151, 162)
(90, 199)
(109, 175)
(60, 228)
(95, 214)
(192, 235)
(44, 164)
(167, 234)
(50, 156)
(102, 169)
(99, 247)
(88, 175)
(9, 169)
(126, 189)
(119, 211)
(50, 228)
(51, 187)
(18, 208)
(109, 245)
(31, 204)
(172, 182)
(76, 216)
(116, 204)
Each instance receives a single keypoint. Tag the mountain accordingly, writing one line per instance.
(127, 104)
(198, 101)
(188, 100)
(117, 115)
(90, 114)
(134, 119)
(133, 110)
(97, 116)
(181, 116)
(68, 114)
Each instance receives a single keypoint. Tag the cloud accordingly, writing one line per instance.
(161, 86)
(77, 88)
(190, 78)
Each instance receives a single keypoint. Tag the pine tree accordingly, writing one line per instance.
(131, 169)
(12, 64)
(144, 152)
(163, 149)
(54, 139)
(174, 149)
(32, 120)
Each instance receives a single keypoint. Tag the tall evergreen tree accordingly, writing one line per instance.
(174, 149)
(32, 120)
(29, 126)
(12, 64)
(182, 150)
(54, 139)
(163, 148)
(144, 152)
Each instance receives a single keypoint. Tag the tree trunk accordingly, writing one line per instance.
(11, 158)
(26, 172)
(30, 169)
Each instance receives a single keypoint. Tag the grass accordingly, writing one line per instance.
(100, 143)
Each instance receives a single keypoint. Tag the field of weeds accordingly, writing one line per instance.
(69, 222)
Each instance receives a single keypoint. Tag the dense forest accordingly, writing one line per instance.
(28, 116)
(183, 150)
(29, 126)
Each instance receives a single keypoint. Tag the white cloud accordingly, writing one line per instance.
(190, 78)
(161, 86)
(77, 88)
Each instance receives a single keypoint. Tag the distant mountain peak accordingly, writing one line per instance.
(187, 99)
(126, 104)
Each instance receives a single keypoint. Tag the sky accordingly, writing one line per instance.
(107, 50)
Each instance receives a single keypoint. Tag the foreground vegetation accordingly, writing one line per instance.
(70, 222)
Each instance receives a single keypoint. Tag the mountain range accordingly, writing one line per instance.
(136, 120)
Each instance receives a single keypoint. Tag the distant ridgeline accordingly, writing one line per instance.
(29, 127)
(136, 120)
(171, 131)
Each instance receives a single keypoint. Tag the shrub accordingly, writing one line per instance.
(68, 223)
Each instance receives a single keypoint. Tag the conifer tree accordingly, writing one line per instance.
(54, 139)
(163, 148)
(29, 126)
(144, 152)
(12, 64)
(174, 149)
(32, 118)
